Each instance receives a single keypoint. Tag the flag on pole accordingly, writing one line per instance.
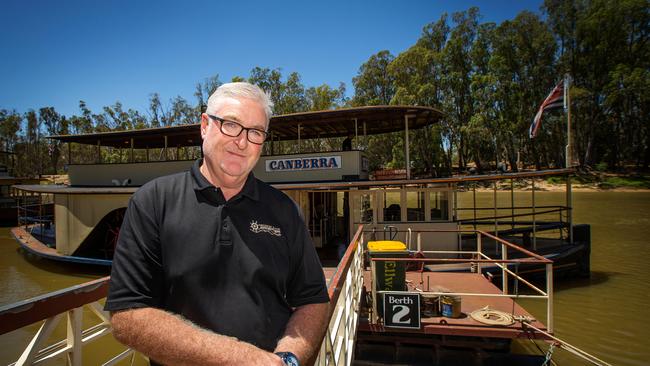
(554, 100)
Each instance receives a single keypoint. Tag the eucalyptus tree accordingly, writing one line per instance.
(457, 73)
(522, 68)
(157, 114)
(203, 91)
(181, 112)
(117, 118)
(374, 85)
(604, 46)
(418, 76)
(292, 98)
(482, 133)
(55, 124)
(10, 122)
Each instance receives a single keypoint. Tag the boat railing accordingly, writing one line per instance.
(475, 260)
(345, 289)
(34, 208)
(51, 309)
(68, 305)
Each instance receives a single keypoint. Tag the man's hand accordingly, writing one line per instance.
(172, 340)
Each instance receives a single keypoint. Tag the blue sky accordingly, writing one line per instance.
(55, 53)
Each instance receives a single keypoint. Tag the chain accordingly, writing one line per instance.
(549, 354)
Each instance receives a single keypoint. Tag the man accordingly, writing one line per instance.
(212, 266)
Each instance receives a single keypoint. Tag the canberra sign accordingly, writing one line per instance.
(299, 164)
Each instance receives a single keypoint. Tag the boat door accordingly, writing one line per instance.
(324, 214)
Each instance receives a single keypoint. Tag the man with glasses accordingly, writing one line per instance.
(212, 266)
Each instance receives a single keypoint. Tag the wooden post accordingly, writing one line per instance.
(406, 147)
(165, 148)
(567, 106)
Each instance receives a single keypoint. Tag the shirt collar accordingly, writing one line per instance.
(200, 182)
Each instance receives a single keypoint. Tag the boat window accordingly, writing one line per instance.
(392, 209)
(439, 206)
(415, 206)
(363, 208)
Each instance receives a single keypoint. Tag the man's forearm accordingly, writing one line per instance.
(169, 339)
(305, 331)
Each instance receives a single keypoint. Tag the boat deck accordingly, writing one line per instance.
(32, 245)
(465, 325)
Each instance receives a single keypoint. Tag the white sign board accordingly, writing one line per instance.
(303, 163)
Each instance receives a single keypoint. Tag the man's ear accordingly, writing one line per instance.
(204, 125)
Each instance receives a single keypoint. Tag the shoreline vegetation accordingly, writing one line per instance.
(581, 182)
(585, 182)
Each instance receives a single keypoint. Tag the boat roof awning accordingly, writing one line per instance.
(370, 120)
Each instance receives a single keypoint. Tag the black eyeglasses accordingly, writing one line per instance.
(234, 129)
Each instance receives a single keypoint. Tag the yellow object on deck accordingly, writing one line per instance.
(386, 246)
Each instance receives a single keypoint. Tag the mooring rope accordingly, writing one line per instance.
(566, 346)
(497, 317)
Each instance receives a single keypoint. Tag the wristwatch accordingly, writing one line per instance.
(288, 358)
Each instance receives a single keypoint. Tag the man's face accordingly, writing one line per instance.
(232, 158)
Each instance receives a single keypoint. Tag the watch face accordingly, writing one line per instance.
(289, 359)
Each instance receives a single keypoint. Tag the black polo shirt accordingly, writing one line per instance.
(236, 267)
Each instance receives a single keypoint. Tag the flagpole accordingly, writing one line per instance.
(569, 155)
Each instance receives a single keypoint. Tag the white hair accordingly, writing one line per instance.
(240, 90)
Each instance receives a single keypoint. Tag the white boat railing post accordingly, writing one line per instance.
(408, 238)
(479, 250)
(549, 294)
(569, 206)
(504, 273)
(373, 289)
(29, 354)
(74, 341)
(534, 216)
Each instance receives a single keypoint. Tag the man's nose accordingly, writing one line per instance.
(242, 140)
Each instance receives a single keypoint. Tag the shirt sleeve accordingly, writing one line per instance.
(307, 281)
(137, 276)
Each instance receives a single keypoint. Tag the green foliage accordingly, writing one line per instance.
(488, 79)
(625, 182)
(601, 167)
(556, 180)
(374, 85)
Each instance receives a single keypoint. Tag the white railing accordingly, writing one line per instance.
(51, 309)
(478, 259)
(345, 290)
(336, 349)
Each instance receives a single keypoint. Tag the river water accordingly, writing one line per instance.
(604, 315)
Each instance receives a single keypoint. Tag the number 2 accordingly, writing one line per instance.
(401, 314)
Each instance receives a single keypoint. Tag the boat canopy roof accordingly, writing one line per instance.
(370, 120)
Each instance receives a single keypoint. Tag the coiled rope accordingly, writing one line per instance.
(492, 317)
(497, 317)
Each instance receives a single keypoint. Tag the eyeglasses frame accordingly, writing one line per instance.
(247, 129)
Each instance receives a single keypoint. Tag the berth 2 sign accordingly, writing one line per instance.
(402, 310)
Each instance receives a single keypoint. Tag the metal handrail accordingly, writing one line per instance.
(51, 308)
(345, 290)
(337, 347)
(532, 258)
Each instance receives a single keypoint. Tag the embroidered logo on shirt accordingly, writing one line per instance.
(258, 228)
